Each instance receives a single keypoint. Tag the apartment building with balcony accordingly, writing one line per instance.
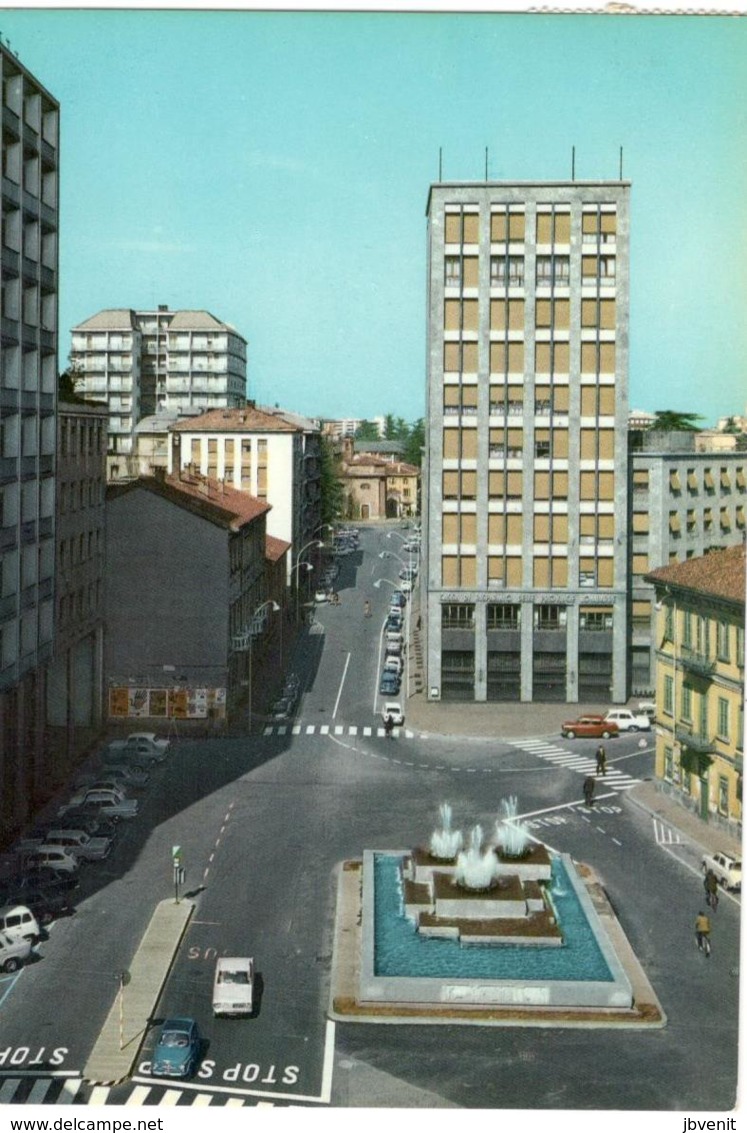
(524, 591)
(74, 677)
(144, 362)
(28, 397)
(700, 657)
(683, 503)
(271, 453)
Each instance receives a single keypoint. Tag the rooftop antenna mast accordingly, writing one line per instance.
(486, 163)
(573, 163)
(621, 163)
(440, 163)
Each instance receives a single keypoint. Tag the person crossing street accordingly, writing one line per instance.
(601, 760)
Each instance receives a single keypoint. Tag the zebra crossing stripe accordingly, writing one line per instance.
(366, 732)
(8, 1089)
(324, 730)
(310, 729)
(296, 729)
(171, 1097)
(354, 731)
(269, 731)
(282, 730)
(69, 1089)
(39, 1091)
(203, 1099)
(99, 1094)
(234, 1102)
(138, 1095)
(339, 730)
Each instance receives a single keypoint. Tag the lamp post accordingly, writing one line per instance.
(251, 634)
(394, 586)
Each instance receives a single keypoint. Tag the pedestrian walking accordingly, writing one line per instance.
(589, 785)
(703, 933)
(389, 726)
(710, 884)
(601, 760)
(367, 609)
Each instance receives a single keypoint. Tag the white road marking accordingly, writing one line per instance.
(99, 1094)
(8, 1088)
(39, 1091)
(138, 1095)
(342, 682)
(171, 1097)
(69, 1089)
(269, 730)
(324, 730)
(296, 729)
(235, 1102)
(339, 730)
(203, 1099)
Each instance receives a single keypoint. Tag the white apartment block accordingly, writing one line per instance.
(143, 362)
(28, 402)
(268, 453)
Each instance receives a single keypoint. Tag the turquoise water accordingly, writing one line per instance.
(400, 951)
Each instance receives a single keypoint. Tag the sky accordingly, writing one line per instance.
(273, 168)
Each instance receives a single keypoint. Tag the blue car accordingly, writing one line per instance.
(178, 1049)
(390, 683)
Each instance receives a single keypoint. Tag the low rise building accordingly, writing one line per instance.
(378, 486)
(700, 658)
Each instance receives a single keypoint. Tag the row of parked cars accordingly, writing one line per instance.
(395, 648)
(611, 723)
(41, 871)
(285, 705)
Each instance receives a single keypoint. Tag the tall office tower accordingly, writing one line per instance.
(28, 397)
(523, 590)
(143, 361)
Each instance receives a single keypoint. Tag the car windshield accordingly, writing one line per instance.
(175, 1038)
(233, 978)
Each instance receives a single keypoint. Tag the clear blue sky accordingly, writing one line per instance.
(274, 169)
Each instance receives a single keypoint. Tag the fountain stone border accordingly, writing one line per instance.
(616, 993)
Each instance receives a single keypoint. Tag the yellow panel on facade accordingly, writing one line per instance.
(708, 478)
(516, 395)
(496, 529)
(496, 485)
(469, 396)
(516, 314)
(725, 520)
(469, 357)
(725, 481)
(605, 572)
(516, 221)
(541, 572)
(451, 395)
(606, 526)
(608, 223)
(606, 444)
(513, 485)
(449, 565)
(543, 313)
(640, 564)
(451, 485)
(588, 267)
(640, 522)
(469, 571)
(513, 571)
(562, 314)
(588, 486)
(587, 525)
(606, 357)
(196, 451)
(559, 528)
(452, 357)
(498, 227)
(451, 444)
(470, 274)
(516, 357)
(640, 478)
(542, 528)
(562, 358)
(471, 228)
(607, 314)
(542, 357)
(560, 485)
(588, 401)
(469, 444)
(544, 228)
(469, 528)
(586, 564)
(562, 228)
(588, 444)
(470, 314)
(450, 532)
(514, 525)
(542, 485)
(453, 228)
(588, 357)
(560, 444)
(559, 566)
(452, 314)
(212, 447)
(588, 312)
(692, 482)
(606, 401)
(590, 223)
(469, 485)
(675, 483)
(740, 515)
(561, 398)
(641, 609)
(606, 485)
(495, 567)
(262, 481)
(515, 438)
(497, 357)
(498, 316)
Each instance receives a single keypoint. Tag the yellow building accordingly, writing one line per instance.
(700, 654)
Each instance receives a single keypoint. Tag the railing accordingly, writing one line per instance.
(695, 741)
(697, 662)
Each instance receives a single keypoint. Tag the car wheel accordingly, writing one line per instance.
(633, 728)
(606, 735)
(570, 735)
(45, 918)
(11, 965)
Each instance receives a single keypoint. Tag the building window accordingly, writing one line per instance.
(507, 270)
(550, 617)
(723, 718)
(669, 695)
(504, 617)
(687, 704)
(669, 624)
(553, 270)
(723, 795)
(458, 617)
(452, 271)
(595, 620)
(669, 764)
(722, 641)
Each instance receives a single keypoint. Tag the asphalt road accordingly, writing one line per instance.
(265, 821)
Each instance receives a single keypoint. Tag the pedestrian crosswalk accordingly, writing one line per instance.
(333, 730)
(74, 1091)
(575, 761)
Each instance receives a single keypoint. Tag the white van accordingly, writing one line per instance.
(13, 953)
(233, 986)
(19, 923)
(53, 857)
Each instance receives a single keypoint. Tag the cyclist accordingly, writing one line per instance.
(703, 933)
(710, 884)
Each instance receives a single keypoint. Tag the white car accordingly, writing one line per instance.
(628, 721)
(53, 857)
(233, 986)
(393, 664)
(111, 803)
(13, 953)
(728, 870)
(393, 709)
(86, 847)
(140, 747)
(321, 596)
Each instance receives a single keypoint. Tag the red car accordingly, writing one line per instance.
(595, 726)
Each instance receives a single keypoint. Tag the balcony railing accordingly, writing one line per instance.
(698, 663)
(695, 741)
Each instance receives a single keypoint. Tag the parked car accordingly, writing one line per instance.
(52, 857)
(393, 648)
(728, 870)
(110, 803)
(628, 721)
(140, 747)
(321, 596)
(390, 683)
(13, 953)
(393, 709)
(84, 846)
(44, 902)
(394, 622)
(393, 664)
(87, 818)
(47, 879)
(128, 775)
(647, 708)
(106, 782)
(177, 1049)
(595, 726)
(405, 585)
(282, 709)
(233, 985)
(19, 923)
(398, 598)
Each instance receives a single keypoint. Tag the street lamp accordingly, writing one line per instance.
(249, 634)
(395, 586)
(298, 585)
(299, 556)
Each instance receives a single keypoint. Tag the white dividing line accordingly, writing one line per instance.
(342, 682)
(269, 731)
(296, 730)
(203, 1099)
(339, 730)
(236, 1101)
(282, 730)
(353, 731)
(328, 1063)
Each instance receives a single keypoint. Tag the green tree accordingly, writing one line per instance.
(415, 443)
(67, 383)
(367, 431)
(670, 421)
(330, 485)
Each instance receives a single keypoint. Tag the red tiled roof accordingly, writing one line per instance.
(275, 548)
(401, 468)
(720, 574)
(209, 499)
(247, 419)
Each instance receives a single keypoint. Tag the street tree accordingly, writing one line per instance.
(672, 421)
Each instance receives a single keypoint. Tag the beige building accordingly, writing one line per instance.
(700, 662)
(378, 487)
(524, 591)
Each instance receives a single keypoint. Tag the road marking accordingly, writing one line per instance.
(138, 1095)
(281, 730)
(171, 1097)
(339, 730)
(7, 1089)
(296, 729)
(324, 730)
(328, 1063)
(99, 1094)
(203, 1099)
(239, 1101)
(310, 729)
(342, 682)
(353, 731)
(616, 842)
(69, 1089)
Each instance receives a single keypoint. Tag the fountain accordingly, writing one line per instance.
(497, 923)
